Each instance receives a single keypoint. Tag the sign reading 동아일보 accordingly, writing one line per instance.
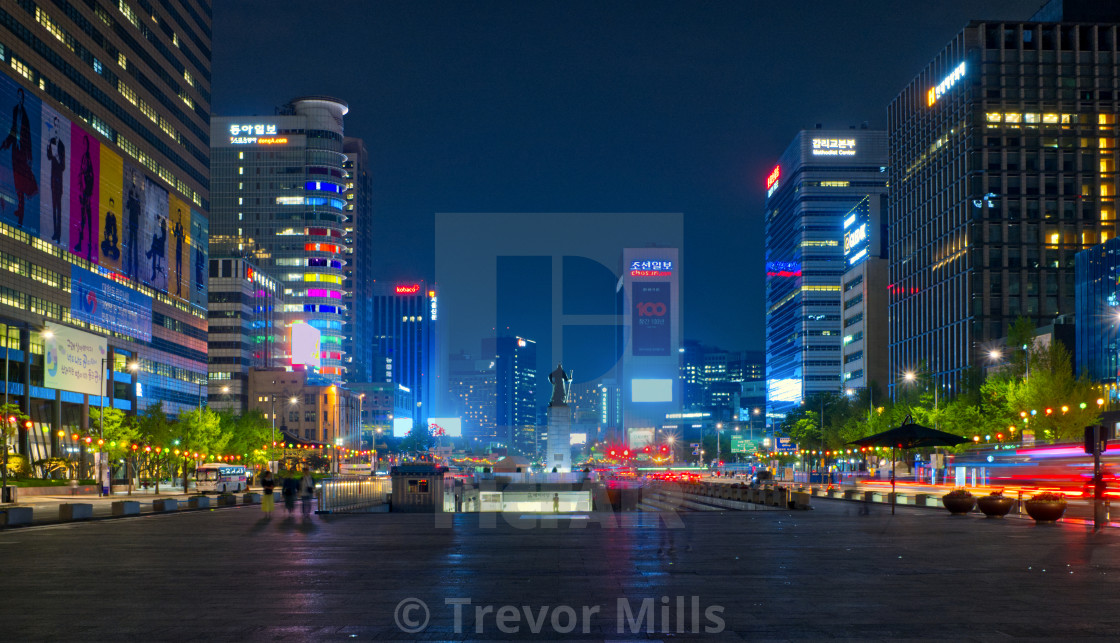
(73, 360)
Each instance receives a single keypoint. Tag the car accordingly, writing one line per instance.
(762, 477)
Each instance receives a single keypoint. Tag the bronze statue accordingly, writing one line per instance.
(560, 382)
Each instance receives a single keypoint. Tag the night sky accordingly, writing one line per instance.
(591, 106)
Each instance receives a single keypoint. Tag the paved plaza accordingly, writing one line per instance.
(833, 572)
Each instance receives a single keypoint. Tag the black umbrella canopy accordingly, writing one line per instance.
(910, 436)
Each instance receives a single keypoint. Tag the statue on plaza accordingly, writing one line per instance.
(561, 384)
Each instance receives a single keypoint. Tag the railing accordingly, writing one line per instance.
(352, 493)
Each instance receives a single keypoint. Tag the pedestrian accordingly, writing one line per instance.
(555, 503)
(288, 489)
(306, 489)
(268, 502)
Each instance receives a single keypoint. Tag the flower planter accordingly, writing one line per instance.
(995, 506)
(957, 505)
(1045, 510)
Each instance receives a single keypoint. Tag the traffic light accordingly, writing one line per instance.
(11, 419)
(645, 449)
(27, 424)
(1100, 434)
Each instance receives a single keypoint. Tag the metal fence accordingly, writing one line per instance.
(353, 493)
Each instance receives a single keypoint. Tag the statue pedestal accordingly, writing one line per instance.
(559, 447)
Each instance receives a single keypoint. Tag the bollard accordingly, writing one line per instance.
(68, 511)
(198, 502)
(15, 516)
(126, 508)
(165, 504)
(251, 499)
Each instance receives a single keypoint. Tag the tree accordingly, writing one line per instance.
(248, 433)
(1057, 406)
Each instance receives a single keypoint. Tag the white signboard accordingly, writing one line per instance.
(73, 360)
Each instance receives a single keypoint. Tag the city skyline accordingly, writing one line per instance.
(671, 109)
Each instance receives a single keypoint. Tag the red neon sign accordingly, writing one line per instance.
(410, 289)
(773, 178)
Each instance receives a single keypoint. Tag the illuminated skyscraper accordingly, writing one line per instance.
(406, 341)
(1003, 165)
(279, 197)
(358, 282)
(104, 192)
(821, 176)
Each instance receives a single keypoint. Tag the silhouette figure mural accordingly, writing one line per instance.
(19, 141)
(157, 252)
(87, 184)
(178, 232)
(109, 241)
(133, 213)
(56, 155)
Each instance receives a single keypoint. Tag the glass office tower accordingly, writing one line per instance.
(822, 175)
(1003, 166)
(104, 188)
(279, 185)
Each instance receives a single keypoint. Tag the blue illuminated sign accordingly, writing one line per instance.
(106, 303)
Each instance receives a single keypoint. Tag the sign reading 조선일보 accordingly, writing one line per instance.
(73, 360)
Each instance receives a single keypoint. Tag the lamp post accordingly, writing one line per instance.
(719, 428)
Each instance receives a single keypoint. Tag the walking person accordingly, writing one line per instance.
(306, 490)
(289, 489)
(268, 502)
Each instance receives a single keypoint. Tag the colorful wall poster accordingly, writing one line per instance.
(112, 177)
(200, 253)
(85, 156)
(153, 236)
(54, 190)
(178, 249)
(19, 156)
(73, 360)
(132, 216)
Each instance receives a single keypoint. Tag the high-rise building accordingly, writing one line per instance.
(358, 283)
(243, 304)
(278, 190)
(821, 176)
(710, 377)
(651, 387)
(1003, 166)
(515, 377)
(1097, 317)
(307, 407)
(406, 342)
(472, 387)
(865, 293)
(104, 193)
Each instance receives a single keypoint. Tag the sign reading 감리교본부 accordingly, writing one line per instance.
(73, 360)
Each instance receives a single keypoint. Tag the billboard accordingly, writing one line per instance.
(109, 189)
(306, 347)
(63, 184)
(54, 169)
(84, 188)
(402, 427)
(153, 236)
(106, 303)
(639, 437)
(446, 427)
(73, 360)
(651, 331)
(200, 253)
(648, 390)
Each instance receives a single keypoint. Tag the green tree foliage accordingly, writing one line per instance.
(248, 435)
(120, 430)
(1050, 384)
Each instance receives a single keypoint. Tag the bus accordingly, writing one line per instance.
(214, 476)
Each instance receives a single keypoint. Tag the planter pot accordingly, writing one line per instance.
(227, 501)
(958, 506)
(1045, 510)
(995, 506)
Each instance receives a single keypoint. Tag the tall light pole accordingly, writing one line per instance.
(719, 427)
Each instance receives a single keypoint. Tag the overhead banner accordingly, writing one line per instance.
(106, 303)
(73, 360)
(651, 336)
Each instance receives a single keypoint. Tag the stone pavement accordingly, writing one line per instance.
(833, 572)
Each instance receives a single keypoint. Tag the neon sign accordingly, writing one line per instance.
(783, 269)
(651, 268)
(772, 180)
(935, 93)
(255, 134)
(834, 147)
(854, 238)
(410, 289)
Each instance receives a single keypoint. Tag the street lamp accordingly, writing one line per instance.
(719, 428)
